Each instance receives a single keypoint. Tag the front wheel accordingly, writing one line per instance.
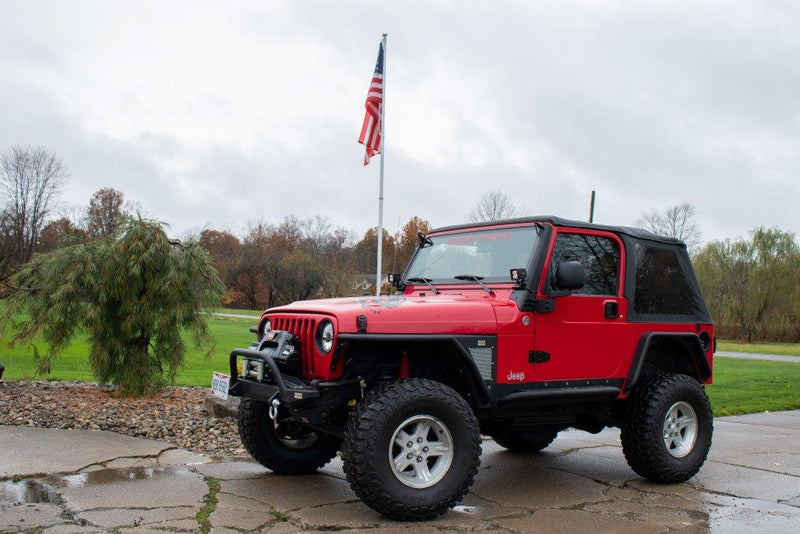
(411, 449)
(667, 430)
(283, 446)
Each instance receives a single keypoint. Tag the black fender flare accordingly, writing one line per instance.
(689, 340)
(480, 390)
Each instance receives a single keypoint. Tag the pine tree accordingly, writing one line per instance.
(131, 293)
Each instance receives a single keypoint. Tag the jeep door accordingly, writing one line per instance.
(583, 336)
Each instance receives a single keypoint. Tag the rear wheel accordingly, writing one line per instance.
(667, 431)
(531, 440)
(411, 449)
(283, 446)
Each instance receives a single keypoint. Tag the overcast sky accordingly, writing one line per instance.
(213, 114)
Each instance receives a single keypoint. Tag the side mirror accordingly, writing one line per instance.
(520, 276)
(394, 279)
(570, 275)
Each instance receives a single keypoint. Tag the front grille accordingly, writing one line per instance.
(303, 327)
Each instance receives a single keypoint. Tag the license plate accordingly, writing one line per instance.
(220, 384)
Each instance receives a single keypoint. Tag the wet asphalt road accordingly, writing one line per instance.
(65, 481)
(756, 356)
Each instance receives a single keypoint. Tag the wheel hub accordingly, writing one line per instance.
(421, 451)
(680, 429)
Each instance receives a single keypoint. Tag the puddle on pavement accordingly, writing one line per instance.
(27, 491)
(111, 476)
(735, 514)
(45, 490)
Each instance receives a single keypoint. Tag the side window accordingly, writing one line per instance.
(599, 257)
(661, 285)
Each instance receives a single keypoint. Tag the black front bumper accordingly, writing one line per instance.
(288, 391)
(310, 403)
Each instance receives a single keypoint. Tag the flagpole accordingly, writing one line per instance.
(380, 189)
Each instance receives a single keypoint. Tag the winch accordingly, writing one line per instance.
(283, 347)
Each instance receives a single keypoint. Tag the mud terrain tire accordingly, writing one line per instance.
(412, 449)
(667, 430)
(292, 451)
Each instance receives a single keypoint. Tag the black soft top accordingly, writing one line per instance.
(638, 233)
(657, 292)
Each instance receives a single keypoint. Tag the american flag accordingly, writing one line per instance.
(372, 130)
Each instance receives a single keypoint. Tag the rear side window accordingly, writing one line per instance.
(661, 284)
(599, 257)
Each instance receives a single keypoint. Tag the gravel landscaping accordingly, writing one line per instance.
(176, 415)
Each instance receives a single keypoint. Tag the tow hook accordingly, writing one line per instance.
(273, 409)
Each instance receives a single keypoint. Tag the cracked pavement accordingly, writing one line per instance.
(75, 481)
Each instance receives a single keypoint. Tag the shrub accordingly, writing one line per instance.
(131, 292)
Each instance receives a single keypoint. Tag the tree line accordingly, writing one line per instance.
(269, 265)
(750, 284)
(297, 259)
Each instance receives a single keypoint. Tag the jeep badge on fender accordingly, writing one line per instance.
(513, 329)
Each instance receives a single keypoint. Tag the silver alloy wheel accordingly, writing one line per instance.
(421, 451)
(680, 429)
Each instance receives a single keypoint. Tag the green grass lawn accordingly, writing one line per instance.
(72, 363)
(740, 386)
(252, 313)
(780, 349)
(749, 386)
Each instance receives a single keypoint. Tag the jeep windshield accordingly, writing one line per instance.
(488, 254)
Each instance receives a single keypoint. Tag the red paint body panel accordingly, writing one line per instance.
(582, 343)
(463, 312)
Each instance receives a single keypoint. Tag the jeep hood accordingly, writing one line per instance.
(404, 314)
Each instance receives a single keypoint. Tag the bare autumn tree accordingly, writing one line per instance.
(7, 244)
(59, 233)
(298, 277)
(317, 232)
(339, 260)
(30, 181)
(678, 221)
(366, 250)
(255, 272)
(225, 250)
(294, 260)
(289, 233)
(494, 206)
(331, 256)
(104, 216)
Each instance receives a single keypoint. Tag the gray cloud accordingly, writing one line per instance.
(213, 117)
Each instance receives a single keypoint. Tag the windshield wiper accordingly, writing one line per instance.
(478, 279)
(425, 280)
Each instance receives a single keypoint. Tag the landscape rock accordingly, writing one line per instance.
(176, 415)
(218, 407)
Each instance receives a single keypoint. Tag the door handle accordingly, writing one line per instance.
(610, 309)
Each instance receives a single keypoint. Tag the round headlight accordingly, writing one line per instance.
(325, 337)
(266, 328)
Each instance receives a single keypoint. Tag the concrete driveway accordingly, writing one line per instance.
(65, 481)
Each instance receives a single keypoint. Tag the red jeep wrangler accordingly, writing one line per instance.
(517, 330)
